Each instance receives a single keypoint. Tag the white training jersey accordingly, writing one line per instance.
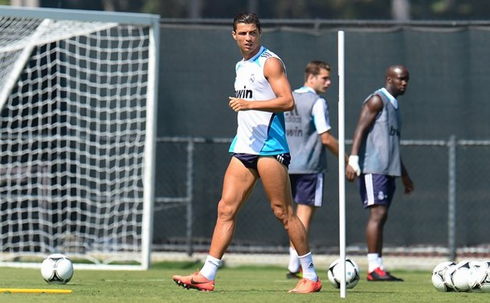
(258, 132)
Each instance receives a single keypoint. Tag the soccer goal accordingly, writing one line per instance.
(78, 106)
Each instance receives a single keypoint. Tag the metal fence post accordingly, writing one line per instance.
(190, 167)
(452, 198)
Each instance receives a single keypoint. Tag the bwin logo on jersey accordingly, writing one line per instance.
(244, 93)
(296, 132)
(394, 132)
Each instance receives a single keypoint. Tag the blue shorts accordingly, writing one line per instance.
(250, 161)
(376, 189)
(307, 188)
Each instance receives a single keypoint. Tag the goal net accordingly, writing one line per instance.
(77, 115)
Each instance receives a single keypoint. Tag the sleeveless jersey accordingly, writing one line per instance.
(308, 155)
(258, 132)
(380, 153)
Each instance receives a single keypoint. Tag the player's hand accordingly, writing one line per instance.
(238, 104)
(408, 184)
(352, 169)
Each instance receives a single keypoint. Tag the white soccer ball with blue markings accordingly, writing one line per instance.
(352, 273)
(57, 269)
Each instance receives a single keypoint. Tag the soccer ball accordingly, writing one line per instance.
(480, 279)
(352, 273)
(57, 269)
(478, 274)
(484, 285)
(458, 276)
(438, 274)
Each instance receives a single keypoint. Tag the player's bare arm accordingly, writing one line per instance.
(368, 115)
(276, 75)
(331, 143)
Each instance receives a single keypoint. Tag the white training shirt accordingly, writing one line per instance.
(258, 132)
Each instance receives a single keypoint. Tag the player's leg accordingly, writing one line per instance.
(294, 267)
(376, 193)
(369, 187)
(277, 187)
(374, 235)
(390, 190)
(374, 228)
(238, 184)
(305, 214)
(308, 196)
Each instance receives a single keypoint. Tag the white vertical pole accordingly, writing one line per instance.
(150, 146)
(341, 162)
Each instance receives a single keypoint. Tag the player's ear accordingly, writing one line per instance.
(309, 77)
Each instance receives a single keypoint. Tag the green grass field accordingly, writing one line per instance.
(243, 284)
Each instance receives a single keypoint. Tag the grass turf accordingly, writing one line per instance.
(243, 284)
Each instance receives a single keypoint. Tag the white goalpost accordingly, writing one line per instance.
(77, 136)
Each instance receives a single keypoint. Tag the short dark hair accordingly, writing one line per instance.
(247, 18)
(314, 67)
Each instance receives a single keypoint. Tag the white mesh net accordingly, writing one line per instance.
(73, 118)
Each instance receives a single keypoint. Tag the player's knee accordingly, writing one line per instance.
(225, 211)
(281, 215)
(379, 219)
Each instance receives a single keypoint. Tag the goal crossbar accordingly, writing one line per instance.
(80, 15)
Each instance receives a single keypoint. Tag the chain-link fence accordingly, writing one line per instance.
(446, 215)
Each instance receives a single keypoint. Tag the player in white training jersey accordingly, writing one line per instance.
(260, 151)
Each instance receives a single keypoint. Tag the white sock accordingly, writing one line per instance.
(293, 265)
(210, 267)
(308, 267)
(380, 262)
(372, 261)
